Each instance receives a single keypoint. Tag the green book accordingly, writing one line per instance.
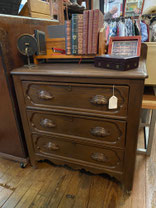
(74, 34)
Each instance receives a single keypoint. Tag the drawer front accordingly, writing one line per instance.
(82, 97)
(103, 131)
(52, 146)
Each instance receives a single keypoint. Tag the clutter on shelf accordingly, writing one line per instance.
(80, 37)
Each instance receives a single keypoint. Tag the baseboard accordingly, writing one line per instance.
(14, 158)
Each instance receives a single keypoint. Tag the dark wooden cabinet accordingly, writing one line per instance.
(67, 120)
(12, 141)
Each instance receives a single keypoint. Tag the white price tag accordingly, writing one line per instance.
(113, 103)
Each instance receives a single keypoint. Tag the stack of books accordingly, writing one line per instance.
(81, 32)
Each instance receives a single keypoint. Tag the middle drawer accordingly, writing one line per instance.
(98, 130)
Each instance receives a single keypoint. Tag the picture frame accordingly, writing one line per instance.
(125, 46)
(118, 5)
(133, 8)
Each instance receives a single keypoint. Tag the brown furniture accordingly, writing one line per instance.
(12, 144)
(65, 115)
(52, 10)
(21, 25)
(12, 141)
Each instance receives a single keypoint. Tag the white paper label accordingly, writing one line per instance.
(113, 102)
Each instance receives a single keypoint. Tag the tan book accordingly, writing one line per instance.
(85, 32)
(80, 34)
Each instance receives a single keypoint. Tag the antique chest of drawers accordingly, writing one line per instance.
(67, 120)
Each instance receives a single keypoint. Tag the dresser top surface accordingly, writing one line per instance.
(81, 70)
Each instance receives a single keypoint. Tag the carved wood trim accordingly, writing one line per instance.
(78, 165)
(95, 156)
(123, 100)
(94, 134)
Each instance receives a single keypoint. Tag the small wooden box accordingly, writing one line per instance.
(117, 62)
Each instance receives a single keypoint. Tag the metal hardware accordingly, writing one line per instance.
(45, 95)
(99, 100)
(100, 132)
(52, 146)
(100, 157)
(47, 123)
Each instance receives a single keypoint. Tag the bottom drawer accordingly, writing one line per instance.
(54, 146)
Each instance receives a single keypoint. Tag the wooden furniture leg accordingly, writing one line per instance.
(148, 119)
(151, 132)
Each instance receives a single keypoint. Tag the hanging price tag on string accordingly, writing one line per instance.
(113, 101)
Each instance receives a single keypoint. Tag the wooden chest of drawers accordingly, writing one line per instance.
(66, 118)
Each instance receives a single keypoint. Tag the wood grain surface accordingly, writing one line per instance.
(82, 70)
(83, 90)
(53, 186)
(12, 143)
(15, 26)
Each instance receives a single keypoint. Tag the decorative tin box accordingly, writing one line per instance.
(120, 63)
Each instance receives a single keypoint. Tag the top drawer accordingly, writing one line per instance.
(80, 97)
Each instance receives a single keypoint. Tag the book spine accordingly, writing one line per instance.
(85, 32)
(98, 21)
(90, 32)
(68, 37)
(74, 34)
(95, 31)
(80, 34)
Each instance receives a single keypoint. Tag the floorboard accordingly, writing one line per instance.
(50, 186)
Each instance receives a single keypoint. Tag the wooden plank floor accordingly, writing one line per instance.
(58, 187)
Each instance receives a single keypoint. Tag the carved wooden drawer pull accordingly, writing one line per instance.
(99, 100)
(100, 132)
(44, 95)
(51, 146)
(100, 157)
(47, 123)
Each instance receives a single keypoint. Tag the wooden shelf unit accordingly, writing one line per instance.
(60, 43)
